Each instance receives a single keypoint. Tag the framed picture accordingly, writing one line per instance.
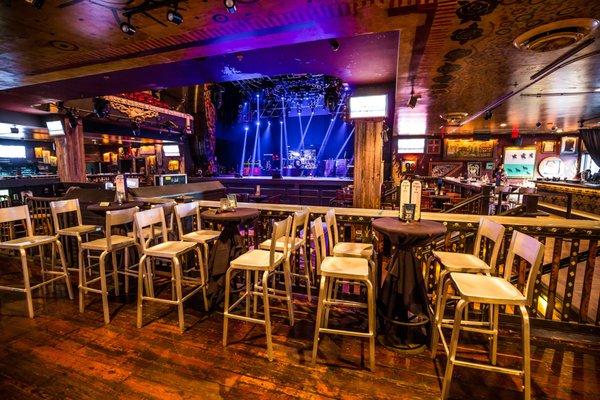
(519, 162)
(548, 146)
(434, 146)
(489, 165)
(440, 168)
(461, 149)
(568, 145)
(473, 170)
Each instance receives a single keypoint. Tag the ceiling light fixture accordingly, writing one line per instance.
(335, 45)
(36, 3)
(503, 125)
(488, 115)
(230, 6)
(174, 17)
(538, 124)
(127, 28)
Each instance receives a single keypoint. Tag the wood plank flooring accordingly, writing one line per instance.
(62, 354)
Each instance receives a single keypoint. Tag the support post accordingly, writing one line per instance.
(70, 153)
(368, 154)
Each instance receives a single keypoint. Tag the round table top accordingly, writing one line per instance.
(408, 232)
(114, 206)
(238, 215)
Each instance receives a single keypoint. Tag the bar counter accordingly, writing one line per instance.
(584, 197)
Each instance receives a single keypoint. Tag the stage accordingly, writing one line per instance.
(310, 191)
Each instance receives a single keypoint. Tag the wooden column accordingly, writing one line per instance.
(70, 154)
(368, 152)
(202, 142)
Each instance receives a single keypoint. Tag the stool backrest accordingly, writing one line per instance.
(17, 214)
(149, 219)
(60, 207)
(531, 251)
(332, 229)
(299, 223)
(187, 210)
(319, 242)
(118, 218)
(281, 230)
(494, 232)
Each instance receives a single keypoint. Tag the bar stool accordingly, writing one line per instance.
(489, 231)
(10, 215)
(345, 249)
(198, 235)
(341, 268)
(108, 245)
(170, 251)
(296, 244)
(155, 232)
(60, 210)
(497, 291)
(266, 262)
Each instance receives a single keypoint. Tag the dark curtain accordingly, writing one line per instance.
(591, 139)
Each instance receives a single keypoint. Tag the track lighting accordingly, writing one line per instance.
(538, 124)
(412, 102)
(488, 115)
(581, 122)
(127, 28)
(174, 17)
(335, 45)
(101, 107)
(230, 6)
(72, 118)
(36, 3)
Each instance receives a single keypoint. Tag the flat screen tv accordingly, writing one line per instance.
(368, 106)
(55, 128)
(171, 150)
(12, 151)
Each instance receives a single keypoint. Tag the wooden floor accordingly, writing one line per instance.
(62, 354)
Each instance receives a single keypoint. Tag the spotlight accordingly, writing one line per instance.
(36, 3)
(135, 128)
(553, 127)
(581, 123)
(174, 17)
(538, 124)
(230, 6)
(412, 102)
(269, 123)
(101, 107)
(335, 45)
(281, 122)
(488, 115)
(503, 125)
(127, 28)
(14, 129)
(246, 128)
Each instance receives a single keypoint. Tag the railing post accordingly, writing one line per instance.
(485, 200)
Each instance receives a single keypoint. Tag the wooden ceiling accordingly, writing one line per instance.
(457, 55)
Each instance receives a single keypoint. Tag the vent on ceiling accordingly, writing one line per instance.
(556, 35)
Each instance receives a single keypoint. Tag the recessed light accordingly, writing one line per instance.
(503, 125)
(597, 90)
(559, 130)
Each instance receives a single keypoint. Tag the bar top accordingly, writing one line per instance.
(568, 184)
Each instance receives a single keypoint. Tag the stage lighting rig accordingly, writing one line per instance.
(127, 28)
(172, 14)
(36, 3)
(174, 17)
(230, 6)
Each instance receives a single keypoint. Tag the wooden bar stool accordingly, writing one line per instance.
(492, 290)
(197, 235)
(162, 248)
(354, 269)
(10, 215)
(155, 232)
(266, 262)
(296, 244)
(345, 249)
(60, 211)
(489, 232)
(108, 245)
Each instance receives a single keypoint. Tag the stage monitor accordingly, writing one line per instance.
(12, 151)
(368, 106)
(411, 146)
(171, 150)
(55, 128)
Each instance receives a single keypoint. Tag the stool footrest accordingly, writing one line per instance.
(346, 333)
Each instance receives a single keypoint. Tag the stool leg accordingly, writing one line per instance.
(126, 261)
(460, 307)
(288, 289)
(494, 321)
(115, 274)
(526, 352)
(43, 268)
(439, 316)
(306, 272)
(371, 316)
(104, 287)
(248, 291)
(26, 283)
(61, 255)
(226, 306)
(328, 296)
(265, 287)
(203, 274)
(140, 289)
(81, 283)
(178, 290)
(255, 306)
(319, 318)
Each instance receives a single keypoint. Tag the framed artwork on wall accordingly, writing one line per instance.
(438, 169)
(489, 165)
(461, 149)
(434, 146)
(548, 146)
(568, 145)
(519, 162)
(473, 170)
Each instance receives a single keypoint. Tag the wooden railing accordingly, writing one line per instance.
(563, 291)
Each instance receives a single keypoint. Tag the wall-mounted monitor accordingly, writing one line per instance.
(55, 128)
(411, 146)
(171, 150)
(12, 151)
(368, 106)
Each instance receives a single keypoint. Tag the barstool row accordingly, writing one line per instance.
(472, 276)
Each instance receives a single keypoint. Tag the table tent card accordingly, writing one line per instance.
(410, 200)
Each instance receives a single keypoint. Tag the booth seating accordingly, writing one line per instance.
(10, 215)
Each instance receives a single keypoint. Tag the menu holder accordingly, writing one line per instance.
(232, 198)
(410, 201)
